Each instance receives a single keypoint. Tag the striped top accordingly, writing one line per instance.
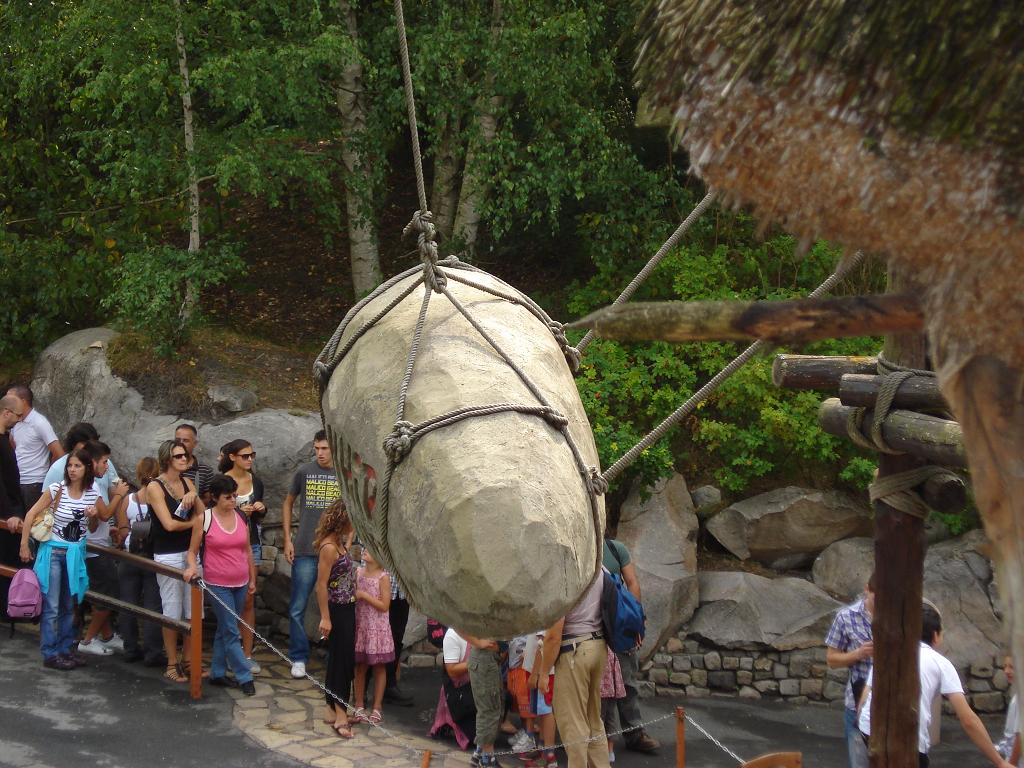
(69, 522)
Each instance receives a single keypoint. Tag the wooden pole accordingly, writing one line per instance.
(798, 320)
(425, 762)
(938, 440)
(918, 393)
(195, 639)
(899, 574)
(680, 737)
(823, 372)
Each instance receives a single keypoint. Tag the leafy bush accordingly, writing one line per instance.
(152, 284)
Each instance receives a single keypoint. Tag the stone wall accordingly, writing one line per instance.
(687, 667)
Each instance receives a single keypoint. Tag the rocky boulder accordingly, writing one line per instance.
(844, 568)
(743, 610)
(787, 527)
(661, 534)
(957, 578)
(73, 382)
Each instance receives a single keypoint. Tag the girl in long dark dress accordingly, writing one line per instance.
(336, 596)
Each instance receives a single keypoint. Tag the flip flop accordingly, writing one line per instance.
(344, 731)
(171, 674)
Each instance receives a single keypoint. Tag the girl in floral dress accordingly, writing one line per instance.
(374, 645)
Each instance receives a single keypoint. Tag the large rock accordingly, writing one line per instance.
(844, 568)
(490, 522)
(743, 610)
(957, 579)
(73, 382)
(786, 528)
(661, 533)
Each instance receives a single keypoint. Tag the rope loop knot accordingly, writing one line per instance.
(572, 355)
(398, 444)
(422, 224)
(322, 374)
(554, 418)
(598, 485)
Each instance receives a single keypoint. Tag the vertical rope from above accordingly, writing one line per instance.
(701, 394)
(656, 259)
(410, 104)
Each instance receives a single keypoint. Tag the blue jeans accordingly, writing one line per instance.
(303, 581)
(227, 643)
(856, 749)
(57, 624)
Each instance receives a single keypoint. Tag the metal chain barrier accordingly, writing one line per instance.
(398, 739)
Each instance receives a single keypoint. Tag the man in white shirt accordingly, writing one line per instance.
(937, 677)
(35, 445)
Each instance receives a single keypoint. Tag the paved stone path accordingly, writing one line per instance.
(286, 716)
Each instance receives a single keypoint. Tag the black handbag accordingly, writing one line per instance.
(141, 541)
(460, 703)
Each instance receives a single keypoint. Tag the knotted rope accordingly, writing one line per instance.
(883, 404)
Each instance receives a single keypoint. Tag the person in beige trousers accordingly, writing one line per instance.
(576, 647)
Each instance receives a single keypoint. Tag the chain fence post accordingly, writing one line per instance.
(680, 737)
(195, 640)
(425, 762)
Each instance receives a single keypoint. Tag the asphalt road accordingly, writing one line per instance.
(111, 714)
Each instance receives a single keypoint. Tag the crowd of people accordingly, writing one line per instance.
(850, 645)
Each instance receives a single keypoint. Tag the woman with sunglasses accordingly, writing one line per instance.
(175, 509)
(236, 461)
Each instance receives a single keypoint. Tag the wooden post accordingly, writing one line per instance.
(899, 569)
(680, 737)
(195, 639)
(425, 762)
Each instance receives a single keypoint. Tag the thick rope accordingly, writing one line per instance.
(704, 392)
(899, 490)
(887, 390)
(410, 105)
(644, 273)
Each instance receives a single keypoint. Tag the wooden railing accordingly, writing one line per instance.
(192, 629)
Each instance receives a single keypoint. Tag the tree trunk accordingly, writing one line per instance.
(987, 397)
(444, 197)
(475, 183)
(899, 577)
(191, 300)
(364, 256)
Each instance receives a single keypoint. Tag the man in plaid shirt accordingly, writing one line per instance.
(849, 646)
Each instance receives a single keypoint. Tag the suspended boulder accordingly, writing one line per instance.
(481, 498)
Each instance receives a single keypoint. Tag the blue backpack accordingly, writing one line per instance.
(622, 615)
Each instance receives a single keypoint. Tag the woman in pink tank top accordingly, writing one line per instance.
(229, 571)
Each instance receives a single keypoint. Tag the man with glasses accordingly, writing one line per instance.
(35, 445)
(200, 474)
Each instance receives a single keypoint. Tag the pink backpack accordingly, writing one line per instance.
(24, 599)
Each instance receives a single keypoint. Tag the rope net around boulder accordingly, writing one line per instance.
(433, 279)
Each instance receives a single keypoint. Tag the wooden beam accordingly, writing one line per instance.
(799, 320)
(945, 493)
(899, 573)
(822, 372)
(936, 440)
(916, 393)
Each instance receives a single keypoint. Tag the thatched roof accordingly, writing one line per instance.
(891, 126)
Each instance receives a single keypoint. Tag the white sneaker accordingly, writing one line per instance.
(115, 643)
(95, 647)
(298, 669)
(254, 667)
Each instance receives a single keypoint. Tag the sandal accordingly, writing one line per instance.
(375, 717)
(359, 716)
(344, 731)
(185, 670)
(174, 675)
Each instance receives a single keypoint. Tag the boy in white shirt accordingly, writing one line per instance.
(937, 677)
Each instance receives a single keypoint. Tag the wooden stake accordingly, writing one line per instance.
(780, 321)
(425, 762)
(680, 737)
